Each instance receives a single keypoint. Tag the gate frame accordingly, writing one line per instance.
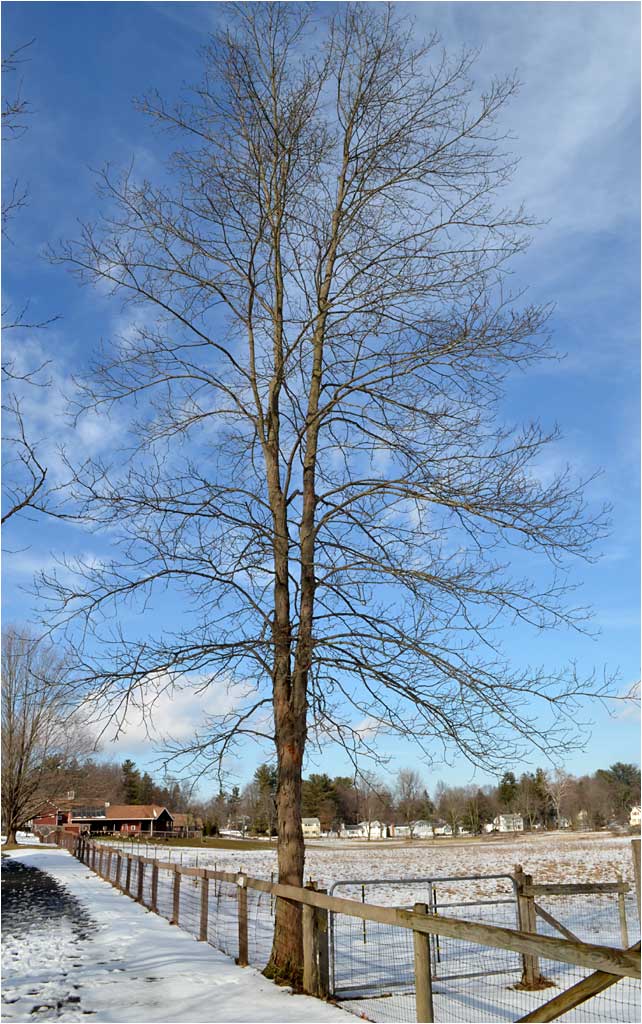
(434, 939)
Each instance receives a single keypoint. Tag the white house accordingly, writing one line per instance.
(635, 818)
(508, 823)
(372, 829)
(401, 831)
(311, 828)
(350, 833)
(442, 830)
(422, 830)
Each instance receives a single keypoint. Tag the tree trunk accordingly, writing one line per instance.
(11, 836)
(286, 961)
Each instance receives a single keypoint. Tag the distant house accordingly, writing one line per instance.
(508, 823)
(130, 819)
(441, 828)
(350, 832)
(400, 831)
(311, 828)
(58, 813)
(635, 817)
(373, 830)
(422, 829)
(187, 825)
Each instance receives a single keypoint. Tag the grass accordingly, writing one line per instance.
(23, 846)
(208, 843)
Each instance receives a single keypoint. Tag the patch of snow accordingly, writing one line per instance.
(134, 967)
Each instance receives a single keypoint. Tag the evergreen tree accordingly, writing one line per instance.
(507, 791)
(131, 782)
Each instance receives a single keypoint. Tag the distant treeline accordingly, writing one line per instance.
(543, 799)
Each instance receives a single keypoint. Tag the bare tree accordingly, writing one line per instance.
(315, 470)
(23, 472)
(40, 737)
(374, 801)
(411, 797)
(559, 784)
(451, 804)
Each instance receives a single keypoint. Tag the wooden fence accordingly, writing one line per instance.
(608, 964)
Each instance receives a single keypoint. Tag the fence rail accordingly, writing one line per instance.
(215, 906)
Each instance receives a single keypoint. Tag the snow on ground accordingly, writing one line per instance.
(118, 962)
(372, 965)
(549, 857)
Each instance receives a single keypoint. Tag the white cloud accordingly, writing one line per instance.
(163, 713)
(579, 68)
(44, 405)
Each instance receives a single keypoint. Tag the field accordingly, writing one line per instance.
(549, 857)
(372, 965)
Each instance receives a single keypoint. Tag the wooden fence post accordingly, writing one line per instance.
(624, 931)
(128, 875)
(635, 849)
(316, 960)
(109, 859)
(205, 902)
(241, 890)
(423, 980)
(154, 899)
(141, 877)
(322, 930)
(310, 950)
(531, 977)
(119, 865)
(176, 896)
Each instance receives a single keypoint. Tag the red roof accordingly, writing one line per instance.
(130, 812)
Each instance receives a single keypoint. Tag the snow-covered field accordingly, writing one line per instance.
(548, 857)
(372, 965)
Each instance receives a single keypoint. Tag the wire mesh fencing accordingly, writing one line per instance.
(372, 951)
(222, 918)
(165, 893)
(260, 926)
(372, 964)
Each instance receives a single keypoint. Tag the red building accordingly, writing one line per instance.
(103, 818)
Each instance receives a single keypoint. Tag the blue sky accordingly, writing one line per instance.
(576, 127)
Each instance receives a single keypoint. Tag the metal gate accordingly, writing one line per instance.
(368, 959)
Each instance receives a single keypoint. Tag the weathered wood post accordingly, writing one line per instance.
(119, 865)
(241, 889)
(93, 857)
(154, 899)
(621, 906)
(423, 979)
(531, 977)
(109, 859)
(310, 950)
(176, 896)
(128, 875)
(141, 877)
(205, 903)
(316, 959)
(635, 849)
(323, 937)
